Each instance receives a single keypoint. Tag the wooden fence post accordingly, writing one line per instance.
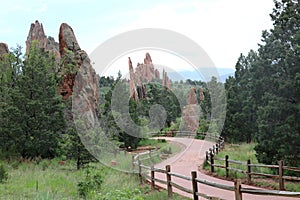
(195, 185)
(212, 169)
(140, 173)
(226, 166)
(152, 178)
(237, 189)
(281, 180)
(169, 186)
(248, 171)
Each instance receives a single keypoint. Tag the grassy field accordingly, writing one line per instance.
(52, 179)
(243, 152)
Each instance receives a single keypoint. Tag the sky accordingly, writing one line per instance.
(223, 28)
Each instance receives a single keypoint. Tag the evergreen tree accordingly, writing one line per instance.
(278, 71)
(41, 119)
(240, 123)
(9, 70)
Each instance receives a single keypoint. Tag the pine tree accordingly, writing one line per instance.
(41, 119)
(278, 87)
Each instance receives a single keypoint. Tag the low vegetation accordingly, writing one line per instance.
(57, 179)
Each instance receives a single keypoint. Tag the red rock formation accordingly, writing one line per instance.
(201, 94)
(3, 50)
(191, 112)
(82, 85)
(133, 92)
(144, 73)
(191, 97)
(166, 81)
(157, 75)
(148, 59)
(82, 81)
(36, 33)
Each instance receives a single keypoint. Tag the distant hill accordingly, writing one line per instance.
(224, 73)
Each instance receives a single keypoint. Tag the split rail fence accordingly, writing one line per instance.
(150, 172)
(250, 169)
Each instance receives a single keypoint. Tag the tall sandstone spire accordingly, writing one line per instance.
(37, 33)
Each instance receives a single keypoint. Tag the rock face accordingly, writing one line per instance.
(201, 94)
(192, 97)
(191, 112)
(132, 85)
(143, 74)
(36, 33)
(81, 82)
(3, 50)
(84, 83)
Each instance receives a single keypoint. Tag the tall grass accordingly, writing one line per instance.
(49, 180)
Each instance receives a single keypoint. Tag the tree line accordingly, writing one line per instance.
(263, 95)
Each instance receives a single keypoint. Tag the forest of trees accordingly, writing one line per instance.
(263, 100)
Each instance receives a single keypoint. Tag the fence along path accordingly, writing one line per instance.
(189, 160)
(211, 158)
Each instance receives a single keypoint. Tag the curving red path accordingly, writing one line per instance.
(189, 160)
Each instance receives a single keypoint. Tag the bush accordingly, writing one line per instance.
(91, 183)
(3, 174)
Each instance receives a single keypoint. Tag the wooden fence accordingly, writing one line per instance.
(211, 158)
(238, 190)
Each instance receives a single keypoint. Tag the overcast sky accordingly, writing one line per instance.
(223, 28)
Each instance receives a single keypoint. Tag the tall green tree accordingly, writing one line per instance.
(41, 119)
(264, 95)
(240, 123)
(9, 70)
(278, 88)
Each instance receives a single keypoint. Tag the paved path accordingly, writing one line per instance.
(189, 160)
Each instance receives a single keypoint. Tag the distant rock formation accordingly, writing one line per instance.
(83, 81)
(143, 74)
(192, 97)
(191, 112)
(36, 33)
(166, 81)
(3, 50)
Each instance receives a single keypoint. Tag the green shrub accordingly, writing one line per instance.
(3, 174)
(91, 183)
